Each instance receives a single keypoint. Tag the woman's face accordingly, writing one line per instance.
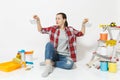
(59, 20)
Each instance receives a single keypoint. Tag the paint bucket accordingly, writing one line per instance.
(29, 58)
(104, 65)
(104, 36)
(112, 67)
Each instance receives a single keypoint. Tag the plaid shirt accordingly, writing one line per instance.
(54, 32)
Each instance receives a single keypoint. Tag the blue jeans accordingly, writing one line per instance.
(60, 61)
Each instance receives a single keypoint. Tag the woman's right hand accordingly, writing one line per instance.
(36, 17)
(38, 22)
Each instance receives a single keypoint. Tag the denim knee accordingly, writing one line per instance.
(49, 45)
(69, 64)
(50, 51)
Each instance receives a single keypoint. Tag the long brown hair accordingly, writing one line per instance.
(64, 17)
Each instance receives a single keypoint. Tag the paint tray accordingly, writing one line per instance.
(9, 66)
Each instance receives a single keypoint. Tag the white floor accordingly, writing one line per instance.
(81, 72)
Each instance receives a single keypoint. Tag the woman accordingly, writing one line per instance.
(61, 50)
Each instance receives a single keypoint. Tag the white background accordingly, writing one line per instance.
(16, 31)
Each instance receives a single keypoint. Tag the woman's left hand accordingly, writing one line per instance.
(85, 21)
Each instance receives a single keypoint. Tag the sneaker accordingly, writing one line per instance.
(42, 63)
(48, 70)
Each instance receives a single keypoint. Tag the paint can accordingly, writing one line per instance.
(29, 58)
(104, 65)
(112, 67)
(104, 36)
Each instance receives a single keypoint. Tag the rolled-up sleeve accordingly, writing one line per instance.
(46, 30)
(77, 33)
